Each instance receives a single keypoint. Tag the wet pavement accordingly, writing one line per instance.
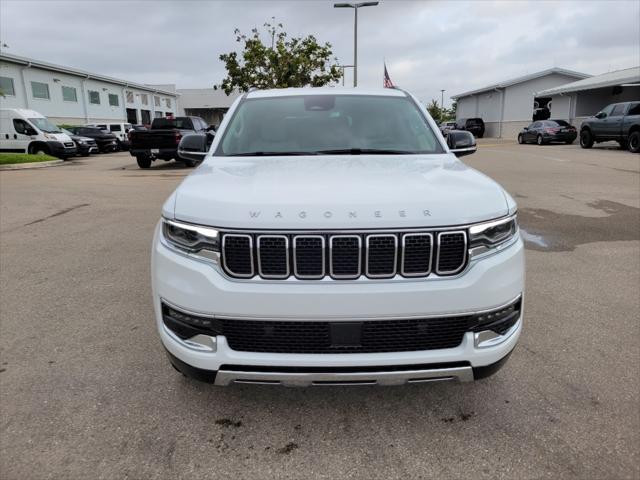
(86, 390)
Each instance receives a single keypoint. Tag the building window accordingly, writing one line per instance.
(6, 86)
(94, 97)
(113, 100)
(69, 94)
(40, 90)
(156, 100)
(168, 100)
(129, 95)
(144, 98)
(146, 117)
(158, 114)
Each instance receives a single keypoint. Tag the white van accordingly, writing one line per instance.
(120, 130)
(27, 131)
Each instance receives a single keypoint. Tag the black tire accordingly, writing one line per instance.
(586, 139)
(540, 140)
(39, 149)
(634, 142)
(144, 161)
(623, 144)
(189, 163)
(520, 139)
(480, 135)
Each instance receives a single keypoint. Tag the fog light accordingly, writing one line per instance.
(188, 325)
(489, 327)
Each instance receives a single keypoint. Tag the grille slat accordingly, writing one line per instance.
(273, 256)
(382, 253)
(452, 250)
(237, 251)
(344, 256)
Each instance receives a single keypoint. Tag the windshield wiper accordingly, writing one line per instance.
(270, 154)
(365, 151)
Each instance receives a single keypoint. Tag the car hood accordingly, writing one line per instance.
(324, 192)
(80, 138)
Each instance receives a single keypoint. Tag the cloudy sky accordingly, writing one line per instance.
(428, 45)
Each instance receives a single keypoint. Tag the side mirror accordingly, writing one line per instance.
(601, 115)
(526, 129)
(461, 143)
(193, 147)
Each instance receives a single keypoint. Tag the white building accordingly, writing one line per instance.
(508, 106)
(576, 101)
(70, 96)
(207, 103)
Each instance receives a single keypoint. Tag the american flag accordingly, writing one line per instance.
(387, 83)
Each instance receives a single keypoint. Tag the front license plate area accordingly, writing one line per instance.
(346, 334)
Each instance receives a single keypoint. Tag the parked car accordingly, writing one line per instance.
(473, 125)
(84, 145)
(120, 130)
(618, 121)
(548, 131)
(27, 131)
(445, 127)
(162, 139)
(106, 141)
(294, 258)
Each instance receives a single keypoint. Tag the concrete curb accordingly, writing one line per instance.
(26, 166)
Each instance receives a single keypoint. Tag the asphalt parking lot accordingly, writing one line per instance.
(86, 390)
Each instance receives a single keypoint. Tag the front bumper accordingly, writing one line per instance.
(58, 149)
(202, 288)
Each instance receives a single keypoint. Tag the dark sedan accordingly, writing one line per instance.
(106, 141)
(548, 131)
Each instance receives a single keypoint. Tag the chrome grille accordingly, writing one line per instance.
(345, 256)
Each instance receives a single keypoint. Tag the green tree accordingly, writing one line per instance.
(287, 62)
(435, 111)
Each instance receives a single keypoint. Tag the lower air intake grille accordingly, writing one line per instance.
(362, 337)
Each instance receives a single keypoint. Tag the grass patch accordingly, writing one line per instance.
(10, 158)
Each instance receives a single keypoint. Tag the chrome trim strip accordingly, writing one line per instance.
(286, 252)
(489, 338)
(224, 259)
(395, 256)
(350, 318)
(295, 263)
(199, 343)
(464, 257)
(461, 374)
(431, 248)
(341, 276)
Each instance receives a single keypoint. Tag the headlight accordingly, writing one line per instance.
(492, 235)
(202, 241)
(82, 142)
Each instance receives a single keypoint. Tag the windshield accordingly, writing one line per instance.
(45, 125)
(328, 124)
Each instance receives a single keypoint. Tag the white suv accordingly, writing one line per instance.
(331, 236)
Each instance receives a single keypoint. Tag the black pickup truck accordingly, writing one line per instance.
(618, 121)
(162, 139)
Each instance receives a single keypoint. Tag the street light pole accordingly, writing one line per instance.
(442, 98)
(355, 7)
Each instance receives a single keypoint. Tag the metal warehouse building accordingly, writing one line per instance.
(577, 100)
(70, 96)
(207, 103)
(508, 106)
